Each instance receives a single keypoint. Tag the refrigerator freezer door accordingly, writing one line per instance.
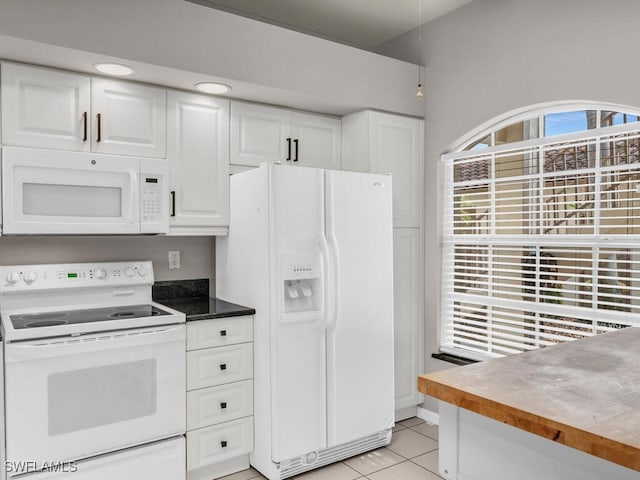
(360, 381)
(298, 323)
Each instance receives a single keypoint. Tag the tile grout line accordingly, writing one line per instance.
(425, 468)
(359, 473)
(423, 434)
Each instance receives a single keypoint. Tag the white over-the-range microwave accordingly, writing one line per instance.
(58, 192)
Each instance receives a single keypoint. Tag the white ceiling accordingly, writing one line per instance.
(360, 23)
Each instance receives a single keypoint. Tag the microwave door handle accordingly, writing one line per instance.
(136, 197)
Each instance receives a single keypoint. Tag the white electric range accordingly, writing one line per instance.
(94, 373)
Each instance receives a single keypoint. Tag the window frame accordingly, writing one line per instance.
(539, 240)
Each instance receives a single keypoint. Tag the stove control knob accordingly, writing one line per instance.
(143, 271)
(13, 278)
(30, 277)
(100, 273)
(129, 272)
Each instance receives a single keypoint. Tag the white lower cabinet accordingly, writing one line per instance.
(209, 406)
(214, 444)
(219, 396)
(407, 305)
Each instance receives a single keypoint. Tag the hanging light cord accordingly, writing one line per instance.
(419, 92)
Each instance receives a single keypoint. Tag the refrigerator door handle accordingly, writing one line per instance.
(327, 300)
(332, 246)
(334, 281)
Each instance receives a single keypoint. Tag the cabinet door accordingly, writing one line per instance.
(396, 148)
(128, 118)
(407, 288)
(198, 154)
(259, 134)
(45, 108)
(316, 140)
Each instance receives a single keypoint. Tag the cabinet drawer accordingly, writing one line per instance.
(210, 406)
(215, 444)
(219, 332)
(217, 366)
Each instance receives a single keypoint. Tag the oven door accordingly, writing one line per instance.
(74, 397)
(69, 192)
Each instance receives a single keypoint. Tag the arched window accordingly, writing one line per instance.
(542, 231)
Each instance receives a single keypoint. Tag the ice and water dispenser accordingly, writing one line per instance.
(302, 284)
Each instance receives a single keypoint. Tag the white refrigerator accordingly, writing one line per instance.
(311, 251)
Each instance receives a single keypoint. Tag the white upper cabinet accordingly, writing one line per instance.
(262, 134)
(259, 134)
(385, 143)
(128, 118)
(316, 140)
(198, 154)
(45, 108)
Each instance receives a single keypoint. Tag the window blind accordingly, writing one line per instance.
(541, 241)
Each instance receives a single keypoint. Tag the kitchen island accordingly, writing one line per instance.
(569, 411)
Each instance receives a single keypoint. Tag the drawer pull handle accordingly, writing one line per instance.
(223, 405)
(223, 333)
(223, 366)
(223, 443)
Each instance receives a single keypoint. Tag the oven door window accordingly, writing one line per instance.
(93, 397)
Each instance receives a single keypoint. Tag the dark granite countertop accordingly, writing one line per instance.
(206, 308)
(191, 297)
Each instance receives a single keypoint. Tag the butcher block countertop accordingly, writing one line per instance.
(584, 394)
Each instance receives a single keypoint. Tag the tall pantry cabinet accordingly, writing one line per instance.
(383, 143)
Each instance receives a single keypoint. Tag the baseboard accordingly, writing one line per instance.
(405, 413)
(428, 416)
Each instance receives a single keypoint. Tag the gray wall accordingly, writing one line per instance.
(494, 56)
(286, 67)
(196, 253)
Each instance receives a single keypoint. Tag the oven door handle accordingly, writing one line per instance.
(90, 343)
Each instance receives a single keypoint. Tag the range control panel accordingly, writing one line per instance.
(73, 275)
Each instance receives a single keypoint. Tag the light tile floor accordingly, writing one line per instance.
(412, 455)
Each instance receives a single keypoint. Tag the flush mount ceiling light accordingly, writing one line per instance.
(213, 87)
(116, 69)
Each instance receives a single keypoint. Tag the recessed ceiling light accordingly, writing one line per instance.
(213, 87)
(114, 69)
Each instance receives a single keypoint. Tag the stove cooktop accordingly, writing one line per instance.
(90, 315)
